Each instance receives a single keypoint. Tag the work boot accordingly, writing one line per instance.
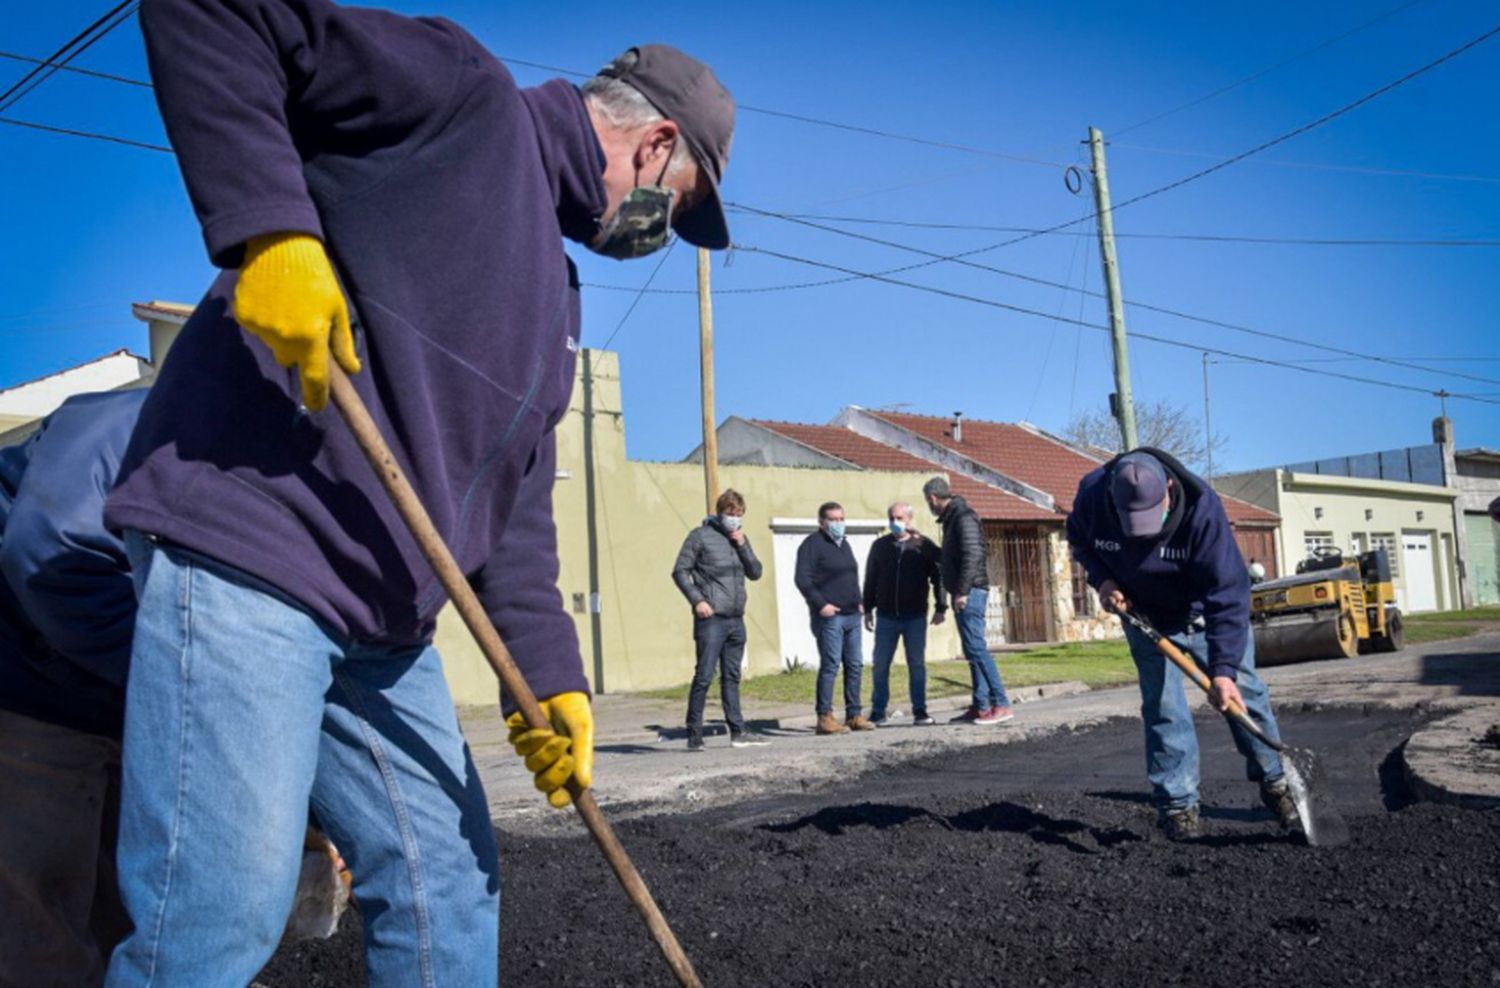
(828, 725)
(967, 717)
(1277, 796)
(1181, 825)
(859, 722)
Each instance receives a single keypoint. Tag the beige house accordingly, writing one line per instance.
(1413, 522)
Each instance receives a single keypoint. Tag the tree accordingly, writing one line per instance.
(1170, 428)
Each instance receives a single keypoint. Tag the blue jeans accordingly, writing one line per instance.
(242, 710)
(720, 642)
(989, 689)
(1171, 741)
(838, 644)
(890, 629)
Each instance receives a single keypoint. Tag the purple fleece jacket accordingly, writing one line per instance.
(441, 191)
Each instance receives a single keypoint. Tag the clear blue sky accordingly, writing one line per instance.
(90, 227)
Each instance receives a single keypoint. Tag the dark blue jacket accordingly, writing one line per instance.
(827, 573)
(67, 607)
(442, 192)
(1192, 568)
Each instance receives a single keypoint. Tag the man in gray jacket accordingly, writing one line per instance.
(711, 570)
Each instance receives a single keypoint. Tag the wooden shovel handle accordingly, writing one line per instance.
(1190, 669)
(405, 499)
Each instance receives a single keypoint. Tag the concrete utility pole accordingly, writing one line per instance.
(1124, 405)
(706, 371)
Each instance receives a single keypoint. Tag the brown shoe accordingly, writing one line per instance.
(827, 725)
(859, 722)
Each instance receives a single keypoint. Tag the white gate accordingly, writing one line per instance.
(794, 625)
(1416, 563)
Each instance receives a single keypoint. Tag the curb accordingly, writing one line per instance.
(1445, 762)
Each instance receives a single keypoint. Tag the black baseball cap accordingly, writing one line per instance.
(1138, 484)
(689, 94)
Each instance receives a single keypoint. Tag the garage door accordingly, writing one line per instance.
(794, 624)
(1484, 564)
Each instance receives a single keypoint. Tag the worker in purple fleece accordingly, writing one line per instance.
(283, 646)
(1153, 538)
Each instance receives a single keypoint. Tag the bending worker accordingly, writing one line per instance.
(1154, 538)
(375, 188)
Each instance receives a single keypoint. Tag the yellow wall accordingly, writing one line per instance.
(643, 511)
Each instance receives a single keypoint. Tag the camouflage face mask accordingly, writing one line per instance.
(642, 223)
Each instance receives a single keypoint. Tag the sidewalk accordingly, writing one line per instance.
(642, 765)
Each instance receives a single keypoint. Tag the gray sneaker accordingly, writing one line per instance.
(748, 739)
(695, 742)
(922, 719)
(1181, 825)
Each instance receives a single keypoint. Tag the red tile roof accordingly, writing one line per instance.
(992, 503)
(1035, 459)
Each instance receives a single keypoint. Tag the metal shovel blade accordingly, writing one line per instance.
(1322, 824)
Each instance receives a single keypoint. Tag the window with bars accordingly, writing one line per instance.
(1387, 541)
(1084, 601)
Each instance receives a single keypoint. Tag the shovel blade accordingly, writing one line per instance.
(1322, 823)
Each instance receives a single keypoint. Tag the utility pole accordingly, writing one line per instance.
(1123, 404)
(1208, 422)
(706, 372)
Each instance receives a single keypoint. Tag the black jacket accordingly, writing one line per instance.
(964, 549)
(897, 575)
(710, 567)
(827, 573)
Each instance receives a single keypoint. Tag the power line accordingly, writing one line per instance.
(1163, 310)
(1319, 165)
(91, 135)
(1268, 70)
(640, 294)
(834, 124)
(1197, 237)
(74, 47)
(107, 76)
(1165, 341)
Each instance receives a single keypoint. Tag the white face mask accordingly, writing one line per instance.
(730, 523)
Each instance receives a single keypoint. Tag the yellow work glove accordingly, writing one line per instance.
(288, 297)
(563, 752)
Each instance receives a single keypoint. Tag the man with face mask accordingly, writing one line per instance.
(378, 190)
(828, 578)
(901, 567)
(715, 561)
(1153, 538)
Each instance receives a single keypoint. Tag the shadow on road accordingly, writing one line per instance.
(1475, 673)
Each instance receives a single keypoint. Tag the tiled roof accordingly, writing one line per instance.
(992, 503)
(1035, 459)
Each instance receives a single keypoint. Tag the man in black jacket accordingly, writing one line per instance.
(967, 580)
(711, 570)
(898, 571)
(828, 577)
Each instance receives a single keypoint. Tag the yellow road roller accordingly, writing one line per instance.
(1331, 608)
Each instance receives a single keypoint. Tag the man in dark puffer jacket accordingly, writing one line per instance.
(711, 570)
(967, 580)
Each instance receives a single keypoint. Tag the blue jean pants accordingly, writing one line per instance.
(890, 629)
(989, 688)
(720, 643)
(838, 645)
(242, 710)
(1172, 742)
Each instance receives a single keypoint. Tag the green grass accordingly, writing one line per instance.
(1421, 632)
(1472, 614)
(1095, 663)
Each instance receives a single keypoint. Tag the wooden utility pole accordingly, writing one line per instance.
(1123, 404)
(1208, 422)
(706, 372)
